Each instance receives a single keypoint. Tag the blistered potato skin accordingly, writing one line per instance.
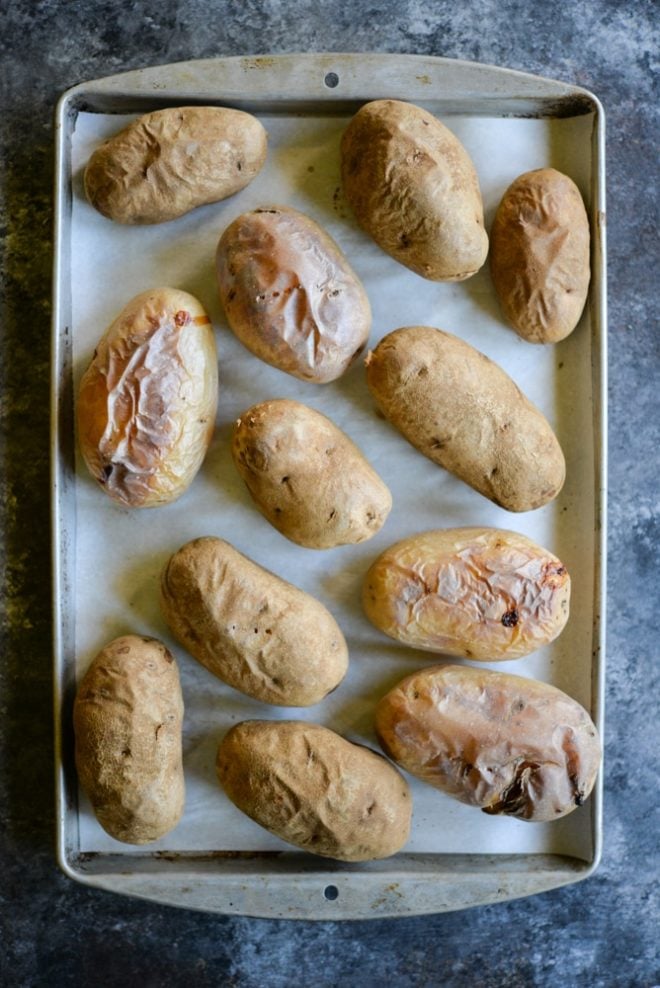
(539, 255)
(147, 402)
(314, 789)
(307, 477)
(506, 744)
(170, 161)
(465, 413)
(290, 295)
(253, 630)
(414, 190)
(128, 716)
(481, 593)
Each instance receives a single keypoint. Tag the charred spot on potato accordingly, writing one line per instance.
(515, 799)
(511, 618)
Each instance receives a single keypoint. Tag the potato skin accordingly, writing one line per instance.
(168, 162)
(253, 630)
(465, 413)
(539, 257)
(147, 402)
(414, 190)
(314, 789)
(482, 593)
(307, 477)
(506, 744)
(127, 717)
(290, 295)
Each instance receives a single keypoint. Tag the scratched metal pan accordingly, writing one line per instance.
(216, 860)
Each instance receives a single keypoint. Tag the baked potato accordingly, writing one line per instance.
(167, 162)
(290, 295)
(307, 477)
(465, 413)
(127, 718)
(482, 593)
(147, 402)
(250, 628)
(414, 190)
(505, 744)
(539, 257)
(314, 789)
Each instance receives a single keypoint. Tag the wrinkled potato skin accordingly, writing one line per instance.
(168, 162)
(314, 789)
(506, 744)
(147, 402)
(482, 593)
(465, 413)
(539, 256)
(128, 717)
(253, 630)
(290, 295)
(307, 477)
(414, 190)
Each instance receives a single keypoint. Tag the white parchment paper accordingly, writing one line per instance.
(120, 553)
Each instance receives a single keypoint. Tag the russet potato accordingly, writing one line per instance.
(250, 628)
(168, 162)
(481, 593)
(505, 744)
(314, 789)
(128, 716)
(307, 477)
(147, 402)
(466, 414)
(539, 257)
(414, 190)
(290, 295)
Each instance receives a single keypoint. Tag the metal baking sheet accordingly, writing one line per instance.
(107, 559)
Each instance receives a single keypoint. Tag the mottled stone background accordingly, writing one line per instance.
(603, 932)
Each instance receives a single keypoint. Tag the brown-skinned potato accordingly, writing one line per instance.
(481, 593)
(290, 295)
(465, 413)
(414, 190)
(128, 717)
(505, 744)
(307, 477)
(253, 630)
(314, 789)
(168, 162)
(147, 402)
(539, 257)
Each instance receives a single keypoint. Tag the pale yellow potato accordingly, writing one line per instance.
(127, 718)
(314, 789)
(482, 593)
(539, 256)
(465, 413)
(250, 628)
(505, 744)
(414, 189)
(168, 162)
(147, 402)
(307, 477)
(290, 295)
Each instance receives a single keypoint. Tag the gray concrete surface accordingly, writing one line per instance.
(604, 932)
